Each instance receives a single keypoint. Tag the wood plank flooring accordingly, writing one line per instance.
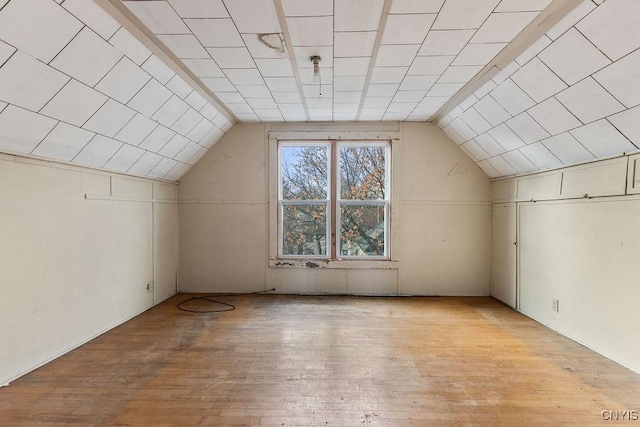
(339, 361)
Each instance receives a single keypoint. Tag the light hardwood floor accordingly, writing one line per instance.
(339, 361)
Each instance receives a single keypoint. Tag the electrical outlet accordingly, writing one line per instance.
(149, 287)
(555, 305)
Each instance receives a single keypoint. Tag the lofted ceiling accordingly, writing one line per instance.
(148, 92)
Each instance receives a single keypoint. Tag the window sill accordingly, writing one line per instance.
(345, 264)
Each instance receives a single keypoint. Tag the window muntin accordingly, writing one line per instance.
(348, 220)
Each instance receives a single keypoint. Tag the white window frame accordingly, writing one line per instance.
(390, 261)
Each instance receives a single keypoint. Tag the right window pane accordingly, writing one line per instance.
(362, 172)
(362, 230)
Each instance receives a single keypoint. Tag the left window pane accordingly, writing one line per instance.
(304, 229)
(304, 172)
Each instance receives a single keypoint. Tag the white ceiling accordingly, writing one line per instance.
(77, 87)
(572, 97)
(400, 64)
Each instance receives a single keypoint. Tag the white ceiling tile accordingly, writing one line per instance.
(110, 118)
(533, 50)
(209, 112)
(274, 68)
(519, 162)
(268, 113)
(187, 152)
(94, 16)
(358, 15)
(416, 6)
(222, 122)
(511, 97)
(554, 117)
(261, 103)
(87, 58)
(628, 122)
(445, 42)
(306, 76)
(249, 117)
(180, 169)
(463, 129)
(433, 101)
(28, 83)
(351, 66)
(194, 159)
(254, 16)
(157, 139)
(203, 67)
(489, 144)
(485, 89)
(429, 65)
(184, 45)
(602, 139)
(566, 148)
(241, 108)
(537, 80)
(347, 97)
(125, 158)
(354, 44)
(174, 146)
(613, 27)
(292, 109)
(622, 79)
(453, 135)
(307, 7)
(377, 102)
(145, 163)
(459, 73)
(584, 58)
(468, 102)
(370, 112)
(244, 76)
(313, 91)
(395, 116)
(320, 113)
(254, 91)
(98, 151)
(522, 5)
(311, 31)
(199, 8)
(5, 52)
(540, 156)
(503, 27)
(215, 32)
(130, 46)
(457, 14)
(232, 57)
(455, 112)
(475, 121)
(259, 45)
(195, 100)
(150, 98)
(64, 142)
(345, 108)
(212, 137)
(407, 29)
(396, 55)
(342, 83)
(162, 168)
(218, 84)
(171, 111)
(526, 128)
(588, 101)
(445, 89)
(488, 169)
(492, 111)
(579, 12)
(159, 16)
(388, 74)
(136, 130)
(478, 54)
(506, 137)
(231, 97)
(418, 82)
(502, 166)
(281, 84)
(476, 151)
(40, 28)
(159, 69)
(123, 81)
(506, 72)
(286, 97)
(200, 130)
(21, 130)
(346, 117)
(414, 96)
(74, 104)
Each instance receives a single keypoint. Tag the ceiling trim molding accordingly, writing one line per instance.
(118, 11)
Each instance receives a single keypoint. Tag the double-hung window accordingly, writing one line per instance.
(333, 199)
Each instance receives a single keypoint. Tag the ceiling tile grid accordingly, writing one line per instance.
(75, 86)
(572, 97)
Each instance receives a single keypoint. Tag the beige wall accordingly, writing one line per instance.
(581, 251)
(77, 252)
(442, 216)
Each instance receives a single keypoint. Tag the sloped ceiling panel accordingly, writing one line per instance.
(77, 87)
(573, 96)
(381, 60)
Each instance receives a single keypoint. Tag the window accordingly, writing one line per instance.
(333, 200)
